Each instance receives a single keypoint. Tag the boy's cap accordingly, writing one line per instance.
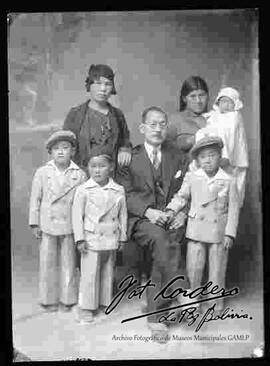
(206, 141)
(62, 135)
(100, 151)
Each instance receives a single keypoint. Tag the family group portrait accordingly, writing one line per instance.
(135, 185)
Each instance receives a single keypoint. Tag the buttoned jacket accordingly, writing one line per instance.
(100, 217)
(50, 201)
(214, 206)
(138, 180)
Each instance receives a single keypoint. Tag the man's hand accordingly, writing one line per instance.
(190, 140)
(227, 242)
(156, 216)
(178, 221)
(82, 246)
(124, 158)
(36, 232)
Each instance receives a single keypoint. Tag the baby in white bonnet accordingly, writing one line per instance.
(225, 120)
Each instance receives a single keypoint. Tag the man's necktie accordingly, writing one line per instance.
(155, 161)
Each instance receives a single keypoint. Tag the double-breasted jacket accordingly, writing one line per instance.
(51, 201)
(214, 205)
(99, 215)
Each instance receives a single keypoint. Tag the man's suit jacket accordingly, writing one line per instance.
(214, 209)
(97, 218)
(50, 202)
(138, 180)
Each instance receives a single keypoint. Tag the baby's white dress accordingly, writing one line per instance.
(230, 128)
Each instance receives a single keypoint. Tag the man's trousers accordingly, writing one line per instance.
(163, 256)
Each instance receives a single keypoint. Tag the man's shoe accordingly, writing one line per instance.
(160, 333)
(144, 309)
(102, 309)
(182, 301)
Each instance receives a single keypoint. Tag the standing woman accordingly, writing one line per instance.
(194, 97)
(97, 123)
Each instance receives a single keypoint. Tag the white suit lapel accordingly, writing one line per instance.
(53, 183)
(110, 202)
(113, 190)
(71, 180)
(209, 188)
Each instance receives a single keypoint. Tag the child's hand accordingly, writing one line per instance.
(121, 245)
(190, 140)
(170, 215)
(124, 158)
(227, 242)
(36, 232)
(178, 221)
(82, 247)
(193, 166)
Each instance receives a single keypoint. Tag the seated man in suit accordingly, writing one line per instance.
(155, 174)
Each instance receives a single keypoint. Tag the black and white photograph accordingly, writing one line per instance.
(135, 185)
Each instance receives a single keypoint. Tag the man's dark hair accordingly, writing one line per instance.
(153, 109)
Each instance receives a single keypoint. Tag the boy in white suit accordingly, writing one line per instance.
(99, 217)
(213, 214)
(51, 200)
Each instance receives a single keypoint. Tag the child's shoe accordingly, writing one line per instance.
(50, 308)
(102, 308)
(66, 308)
(85, 316)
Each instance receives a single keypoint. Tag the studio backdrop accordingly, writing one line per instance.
(151, 53)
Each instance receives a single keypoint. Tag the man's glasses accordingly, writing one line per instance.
(153, 126)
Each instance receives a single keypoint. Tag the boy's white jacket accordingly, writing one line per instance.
(51, 202)
(100, 214)
(214, 205)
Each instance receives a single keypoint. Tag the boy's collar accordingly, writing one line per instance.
(72, 165)
(110, 185)
(220, 174)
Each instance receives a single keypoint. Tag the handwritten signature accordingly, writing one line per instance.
(191, 316)
(213, 292)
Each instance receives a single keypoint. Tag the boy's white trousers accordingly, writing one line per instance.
(96, 282)
(217, 266)
(57, 276)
